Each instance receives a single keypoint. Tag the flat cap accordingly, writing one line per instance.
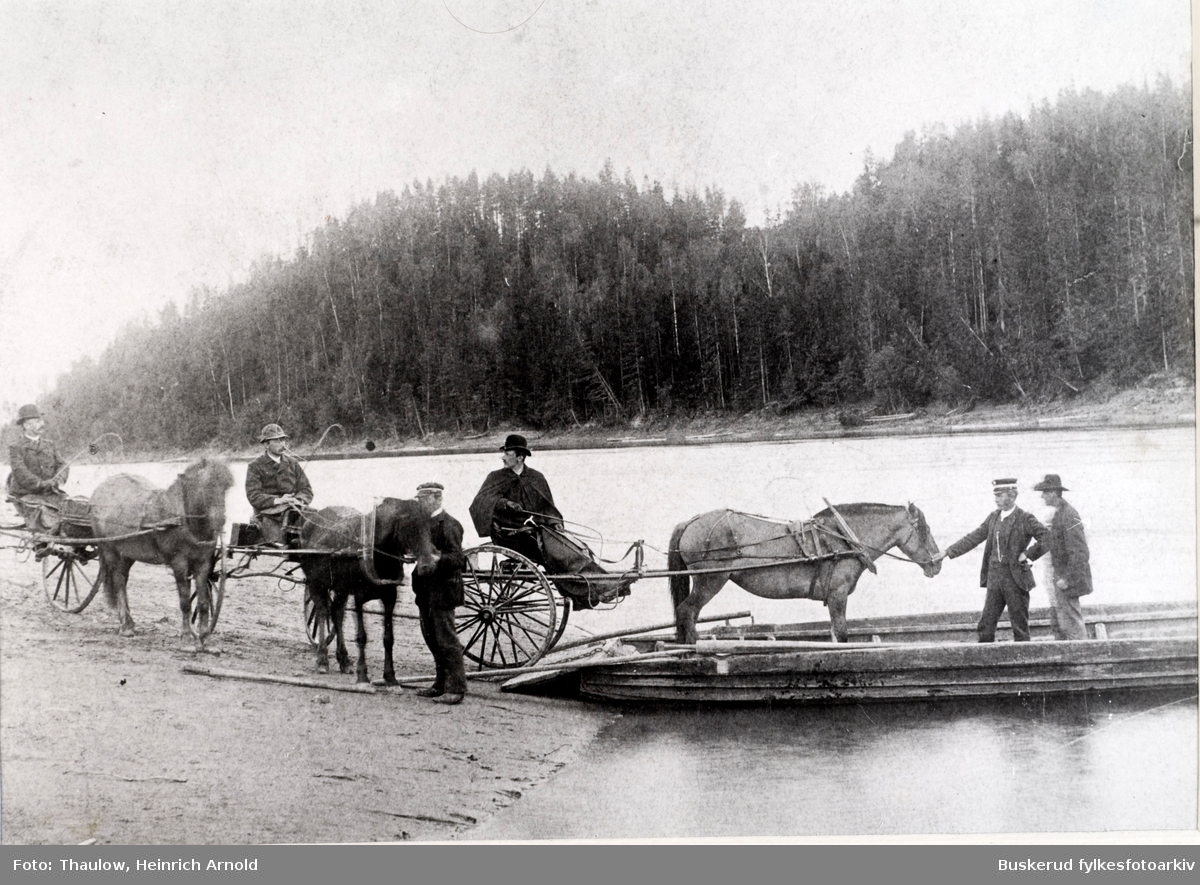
(1008, 482)
(430, 487)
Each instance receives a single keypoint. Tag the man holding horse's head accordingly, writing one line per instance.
(1006, 572)
(276, 487)
(38, 473)
(438, 595)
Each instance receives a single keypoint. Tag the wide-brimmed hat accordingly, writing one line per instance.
(1051, 483)
(270, 432)
(516, 443)
(26, 412)
(1001, 485)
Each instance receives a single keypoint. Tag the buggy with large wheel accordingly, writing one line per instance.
(515, 610)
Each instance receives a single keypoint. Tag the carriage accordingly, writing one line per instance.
(515, 610)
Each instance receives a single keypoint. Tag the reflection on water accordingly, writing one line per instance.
(1077, 764)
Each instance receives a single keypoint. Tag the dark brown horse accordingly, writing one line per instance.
(179, 527)
(361, 556)
(776, 559)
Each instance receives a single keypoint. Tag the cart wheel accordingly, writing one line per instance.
(216, 589)
(312, 625)
(70, 577)
(508, 616)
(564, 612)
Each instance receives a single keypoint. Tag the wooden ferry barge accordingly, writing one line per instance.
(926, 657)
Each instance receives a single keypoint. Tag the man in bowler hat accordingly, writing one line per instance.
(513, 501)
(1070, 574)
(437, 597)
(38, 472)
(1006, 572)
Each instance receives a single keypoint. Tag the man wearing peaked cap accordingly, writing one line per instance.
(1069, 575)
(1006, 572)
(437, 597)
(276, 487)
(513, 501)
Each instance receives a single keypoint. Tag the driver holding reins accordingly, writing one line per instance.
(513, 501)
(277, 488)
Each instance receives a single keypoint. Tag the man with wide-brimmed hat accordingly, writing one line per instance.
(277, 488)
(513, 501)
(438, 595)
(1069, 575)
(38, 473)
(1006, 571)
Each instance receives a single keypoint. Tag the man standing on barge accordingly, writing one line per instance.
(1006, 572)
(1070, 574)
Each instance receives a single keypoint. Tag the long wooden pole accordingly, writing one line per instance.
(285, 680)
(576, 643)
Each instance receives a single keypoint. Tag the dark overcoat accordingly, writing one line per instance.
(528, 489)
(1069, 550)
(1014, 537)
(444, 588)
(34, 464)
(266, 481)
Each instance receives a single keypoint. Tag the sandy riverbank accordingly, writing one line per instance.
(104, 737)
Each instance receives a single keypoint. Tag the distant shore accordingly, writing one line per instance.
(1140, 407)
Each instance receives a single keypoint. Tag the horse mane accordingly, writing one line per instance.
(861, 509)
(205, 481)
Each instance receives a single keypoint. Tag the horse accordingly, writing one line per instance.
(342, 569)
(818, 559)
(179, 526)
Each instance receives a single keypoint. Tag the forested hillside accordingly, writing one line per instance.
(1027, 256)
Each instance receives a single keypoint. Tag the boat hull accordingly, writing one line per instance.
(891, 670)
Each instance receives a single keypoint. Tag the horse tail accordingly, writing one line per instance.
(680, 583)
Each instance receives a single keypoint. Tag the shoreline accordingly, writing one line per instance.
(1140, 408)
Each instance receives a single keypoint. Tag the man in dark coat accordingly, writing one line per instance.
(276, 487)
(437, 597)
(513, 500)
(38, 472)
(1070, 574)
(1006, 572)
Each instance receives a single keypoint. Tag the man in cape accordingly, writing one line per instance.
(514, 501)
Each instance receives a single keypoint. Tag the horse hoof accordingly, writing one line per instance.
(323, 668)
(390, 680)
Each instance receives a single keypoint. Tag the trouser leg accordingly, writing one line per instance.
(1066, 615)
(450, 651)
(993, 606)
(429, 633)
(1017, 601)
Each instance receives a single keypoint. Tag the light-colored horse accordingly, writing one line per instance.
(776, 559)
(179, 527)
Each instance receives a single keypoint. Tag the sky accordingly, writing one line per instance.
(148, 149)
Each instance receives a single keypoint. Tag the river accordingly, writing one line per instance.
(1121, 764)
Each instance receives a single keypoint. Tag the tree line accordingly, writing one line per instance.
(1026, 256)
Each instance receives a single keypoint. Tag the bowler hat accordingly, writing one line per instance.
(1051, 483)
(271, 431)
(516, 443)
(26, 412)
